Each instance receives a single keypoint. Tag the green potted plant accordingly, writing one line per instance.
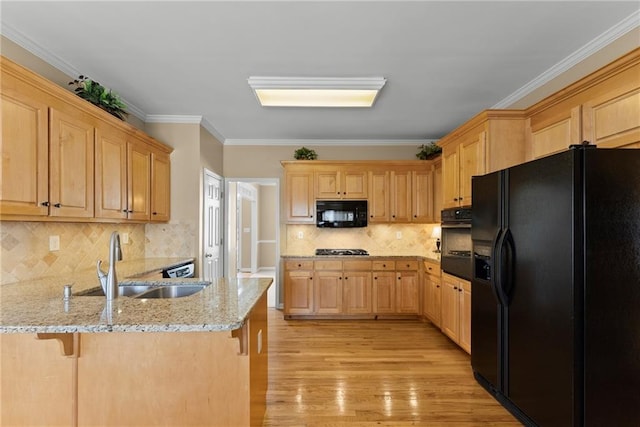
(305, 153)
(428, 151)
(98, 95)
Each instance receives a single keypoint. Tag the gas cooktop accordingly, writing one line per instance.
(335, 252)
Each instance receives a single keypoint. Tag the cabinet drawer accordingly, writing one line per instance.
(298, 265)
(432, 268)
(328, 265)
(385, 265)
(406, 265)
(357, 265)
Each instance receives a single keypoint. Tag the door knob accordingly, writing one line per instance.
(208, 255)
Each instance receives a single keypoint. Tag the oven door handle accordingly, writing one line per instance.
(456, 225)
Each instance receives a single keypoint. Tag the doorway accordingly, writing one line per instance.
(253, 231)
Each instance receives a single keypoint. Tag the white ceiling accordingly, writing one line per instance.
(443, 61)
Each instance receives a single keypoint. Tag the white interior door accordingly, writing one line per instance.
(213, 226)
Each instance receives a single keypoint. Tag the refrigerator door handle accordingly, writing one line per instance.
(496, 283)
(505, 260)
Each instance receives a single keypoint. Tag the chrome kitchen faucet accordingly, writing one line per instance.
(109, 281)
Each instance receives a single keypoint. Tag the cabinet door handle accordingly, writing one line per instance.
(455, 199)
(57, 205)
(346, 278)
(155, 213)
(44, 203)
(340, 278)
(455, 288)
(415, 216)
(130, 211)
(375, 278)
(437, 286)
(299, 265)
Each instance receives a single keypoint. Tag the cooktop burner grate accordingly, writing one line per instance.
(335, 252)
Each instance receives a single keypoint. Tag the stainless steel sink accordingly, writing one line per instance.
(149, 291)
(172, 291)
(123, 291)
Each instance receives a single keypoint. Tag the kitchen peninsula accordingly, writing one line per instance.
(195, 360)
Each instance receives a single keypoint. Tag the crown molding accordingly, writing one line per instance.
(329, 142)
(167, 118)
(623, 27)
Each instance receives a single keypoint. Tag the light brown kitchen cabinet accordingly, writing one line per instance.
(358, 291)
(384, 287)
(71, 148)
(25, 153)
(437, 190)
(351, 288)
(160, 186)
(432, 292)
(329, 287)
(422, 196)
(47, 157)
(299, 200)
(396, 191)
(111, 173)
(298, 287)
(138, 181)
(37, 382)
(329, 291)
(341, 184)
(407, 287)
(490, 141)
(460, 163)
(612, 120)
(74, 158)
(602, 108)
(552, 132)
(401, 196)
(456, 310)
(379, 197)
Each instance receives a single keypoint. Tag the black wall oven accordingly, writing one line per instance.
(456, 242)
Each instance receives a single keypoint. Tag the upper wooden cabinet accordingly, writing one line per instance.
(491, 141)
(603, 108)
(71, 145)
(396, 191)
(341, 184)
(299, 201)
(25, 153)
(65, 159)
(161, 186)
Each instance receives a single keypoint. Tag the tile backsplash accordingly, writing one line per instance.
(377, 239)
(175, 239)
(25, 254)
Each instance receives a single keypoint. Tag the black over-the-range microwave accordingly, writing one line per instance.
(341, 213)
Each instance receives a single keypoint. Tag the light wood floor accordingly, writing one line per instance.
(373, 372)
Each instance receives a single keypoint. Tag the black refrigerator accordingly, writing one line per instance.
(555, 333)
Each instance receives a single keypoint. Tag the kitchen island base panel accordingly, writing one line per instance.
(138, 378)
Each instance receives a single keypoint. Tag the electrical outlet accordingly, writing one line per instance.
(125, 238)
(54, 243)
(300, 235)
(398, 235)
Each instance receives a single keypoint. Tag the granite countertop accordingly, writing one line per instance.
(37, 306)
(431, 257)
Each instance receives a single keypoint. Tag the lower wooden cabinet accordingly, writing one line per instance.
(298, 287)
(358, 292)
(331, 287)
(432, 293)
(384, 292)
(407, 287)
(456, 310)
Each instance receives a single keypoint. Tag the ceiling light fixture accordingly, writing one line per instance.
(316, 91)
